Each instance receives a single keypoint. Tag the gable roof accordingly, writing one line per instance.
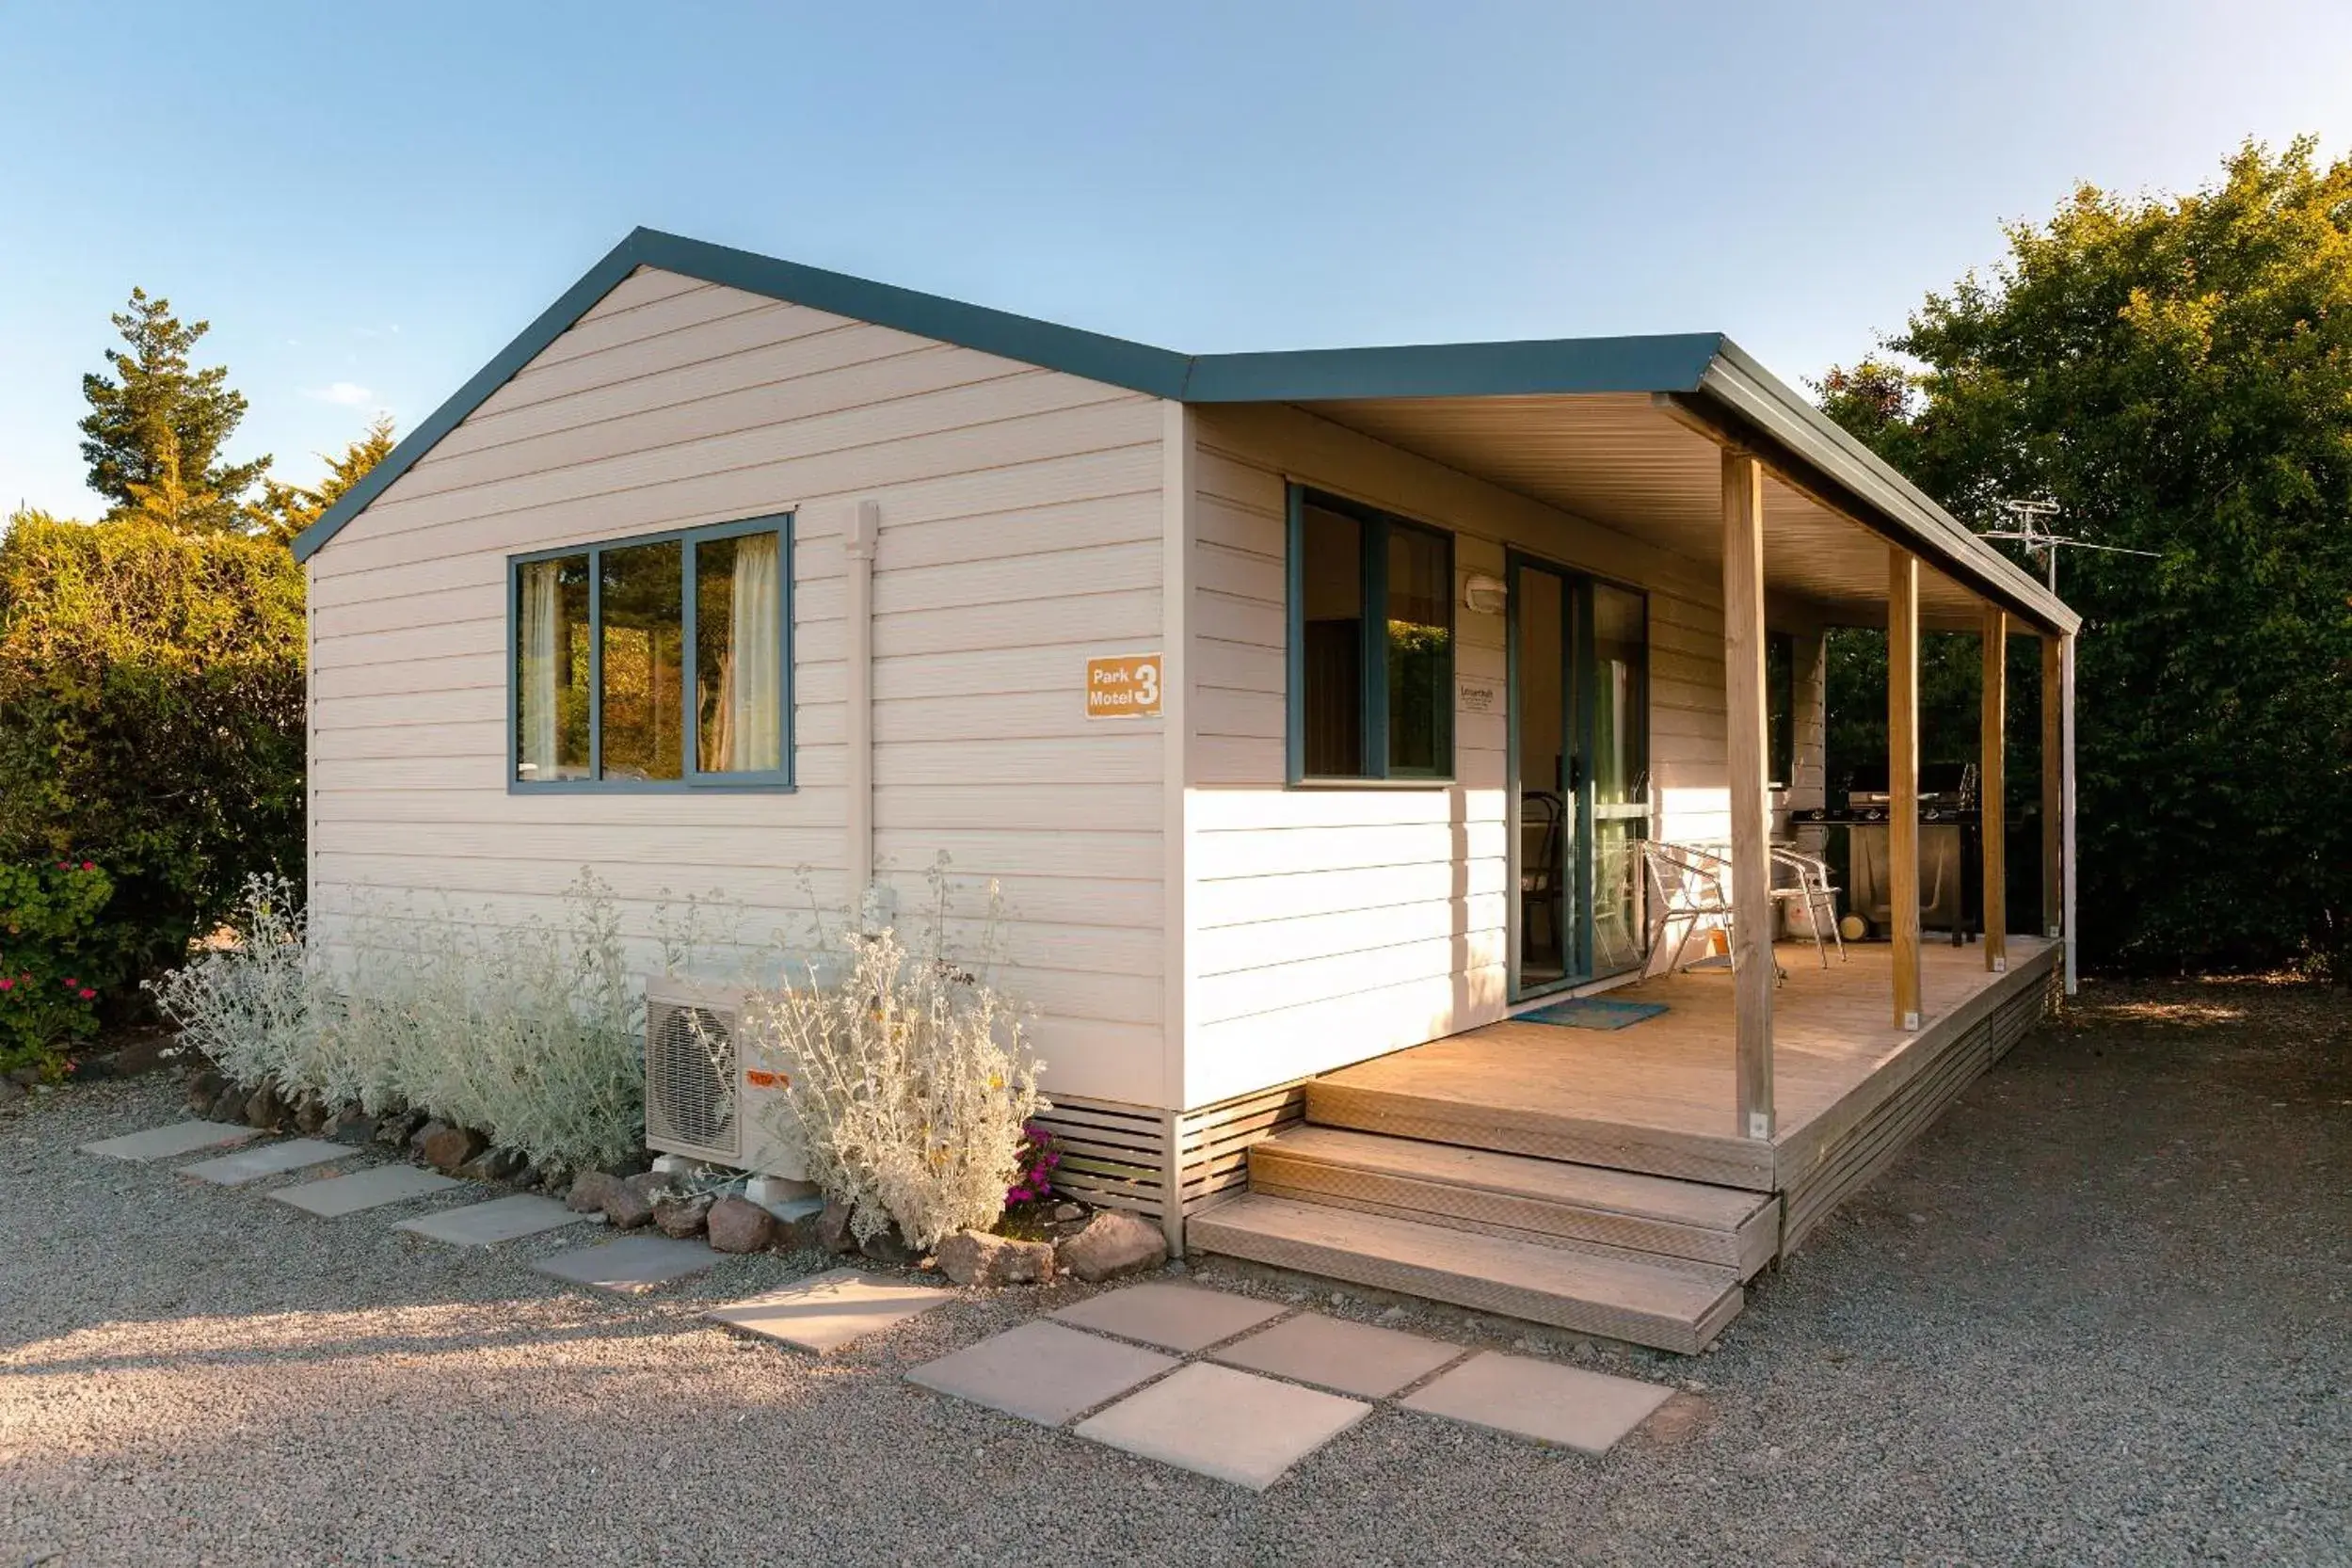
(1702, 374)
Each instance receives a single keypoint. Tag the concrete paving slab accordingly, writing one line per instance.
(170, 1141)
(629, 1265)
(1223, 1423)
(361, 1190)
(269, 1159)
(481, 1225)
(1567, 1405)
(1042, 1371)
(1178, 1316)
(1353, 1358)
(826, 1311)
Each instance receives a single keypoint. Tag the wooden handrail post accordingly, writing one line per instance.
(1902, 780)
(1745, 752)
(1993, 789)
(2052, 806)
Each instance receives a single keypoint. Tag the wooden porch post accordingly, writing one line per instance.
(1993, 787)
(2066, 816)
(2052, 806)
(1902, 780)
(1745, 749)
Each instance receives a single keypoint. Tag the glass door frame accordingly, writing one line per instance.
(1578, 681)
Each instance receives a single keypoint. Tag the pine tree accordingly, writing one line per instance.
(169, 500)
(155, 428)
(285, 510)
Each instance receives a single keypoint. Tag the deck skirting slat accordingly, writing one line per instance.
(1876, 1143)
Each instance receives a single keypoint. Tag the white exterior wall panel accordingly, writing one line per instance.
(1022, 530)
(1330, 924)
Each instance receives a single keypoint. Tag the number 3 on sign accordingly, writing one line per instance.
(1124, 687)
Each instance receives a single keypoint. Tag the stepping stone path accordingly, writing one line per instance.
(1353, 1358)
(1043, 1371)
(1585, 1410)
(1235, 1425)
(235, 1170)
(629, 1265)
(1219, 1417)
(1220, 1422)
(1176, 1317)
(483, 1225)
(170, 1142)
(369, 1189)
(826, 1312)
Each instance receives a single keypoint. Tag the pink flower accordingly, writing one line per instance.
(88, 993)
(90, 864)
(7, 985)
(70, 982)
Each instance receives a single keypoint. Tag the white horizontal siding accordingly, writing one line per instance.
(1022, 530)
(1331, 925)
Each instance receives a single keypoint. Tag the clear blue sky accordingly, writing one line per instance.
(367, 210)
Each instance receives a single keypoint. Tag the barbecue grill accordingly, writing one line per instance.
(1949, 829)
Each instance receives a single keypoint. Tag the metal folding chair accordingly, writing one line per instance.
(1814, 890)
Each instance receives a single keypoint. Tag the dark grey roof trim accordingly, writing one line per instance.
(1554, 367)
(1703, 366)
(1770, 407)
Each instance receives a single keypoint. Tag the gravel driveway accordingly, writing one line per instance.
(2099, 1314)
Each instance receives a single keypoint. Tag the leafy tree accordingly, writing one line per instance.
(151, 723)
(155, 428)
(285, 510)
(2176, 373)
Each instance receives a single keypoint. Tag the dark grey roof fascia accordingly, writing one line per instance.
(1701, 365)
(1554, 367)
(552, 323)
(1776, 410)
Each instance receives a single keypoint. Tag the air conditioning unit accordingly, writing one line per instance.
(711, 1083)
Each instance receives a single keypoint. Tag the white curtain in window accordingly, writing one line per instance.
(755, 671)
(542, 623)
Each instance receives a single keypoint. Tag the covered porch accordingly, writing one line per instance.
(1630, 1182)
(1716, 464)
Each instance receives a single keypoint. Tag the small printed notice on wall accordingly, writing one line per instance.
(1478, 697)
(1125, 686)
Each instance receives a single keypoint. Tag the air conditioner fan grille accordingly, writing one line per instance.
(690, 1076)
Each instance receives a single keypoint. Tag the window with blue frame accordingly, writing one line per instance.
(657, 663)
(1371, 637)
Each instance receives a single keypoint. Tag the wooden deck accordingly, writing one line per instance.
(1657, 1096)
(1596, 1180)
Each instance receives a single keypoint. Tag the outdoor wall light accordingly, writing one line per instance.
(1485, 596)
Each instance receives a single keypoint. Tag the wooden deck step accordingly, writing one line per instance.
(1481, 1091)
(1674, 1308)
(1521, 1197)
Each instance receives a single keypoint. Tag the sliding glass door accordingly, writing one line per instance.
(1579, 797)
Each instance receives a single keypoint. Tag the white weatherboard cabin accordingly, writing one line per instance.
(1318, 712)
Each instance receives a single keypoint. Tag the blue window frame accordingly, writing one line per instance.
(1371, 644)
(653, 664)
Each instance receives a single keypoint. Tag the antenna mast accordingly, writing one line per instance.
(2028, 529)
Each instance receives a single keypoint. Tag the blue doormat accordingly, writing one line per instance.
(1592, 1013)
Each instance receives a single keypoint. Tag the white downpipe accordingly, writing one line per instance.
(865, 531)
(2066, 801)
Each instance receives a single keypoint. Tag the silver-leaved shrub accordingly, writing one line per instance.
(532, 1031)
(908, 1077)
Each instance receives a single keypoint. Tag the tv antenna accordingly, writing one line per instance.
(2028, 528)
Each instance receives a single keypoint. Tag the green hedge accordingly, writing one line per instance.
(151, 723)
